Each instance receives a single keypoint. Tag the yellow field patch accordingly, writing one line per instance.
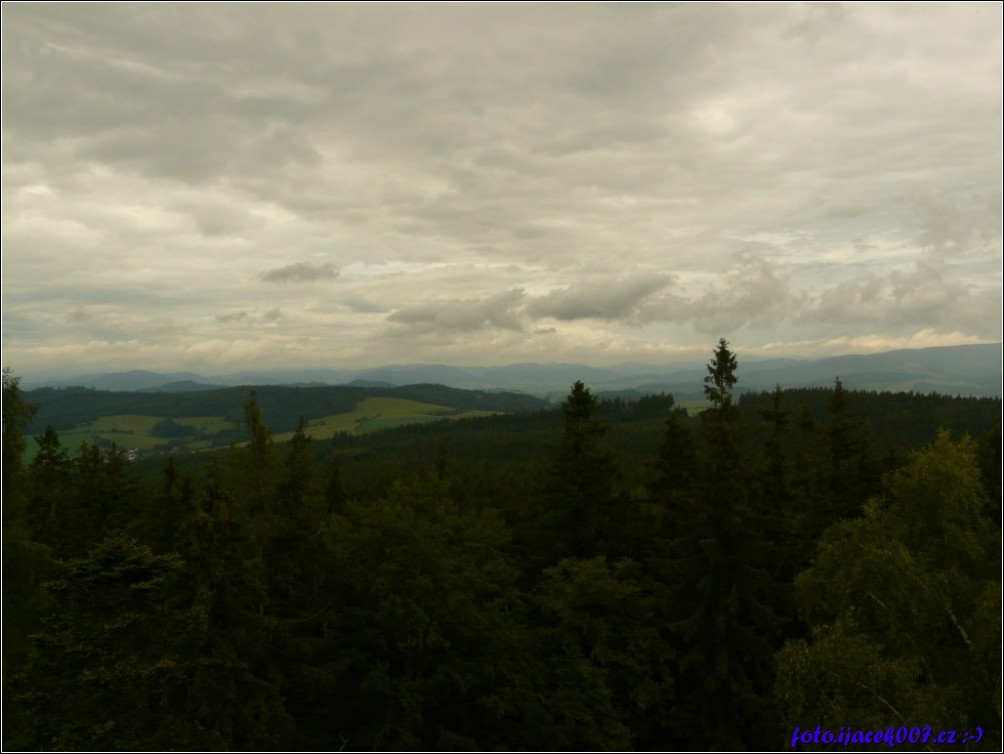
(694, 407)
(374, 414)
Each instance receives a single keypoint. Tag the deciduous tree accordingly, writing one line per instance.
(905, 607)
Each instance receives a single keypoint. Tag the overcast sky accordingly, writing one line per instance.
(214, 187)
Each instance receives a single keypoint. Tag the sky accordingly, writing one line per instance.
(219, 187)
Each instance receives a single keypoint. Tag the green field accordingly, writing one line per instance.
(135, 431)
(127, 431)
(373, 414)
(695, 407)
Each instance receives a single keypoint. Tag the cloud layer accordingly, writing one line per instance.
(208, 186)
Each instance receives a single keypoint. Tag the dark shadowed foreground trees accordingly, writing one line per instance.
(26, 562)
(583, 514)
(723, 627)
(905, 608)
(103, 652)
(529, 582)
(433, 647)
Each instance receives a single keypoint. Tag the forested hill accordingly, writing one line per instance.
(892, 420)
(497, 424)
(281, 406)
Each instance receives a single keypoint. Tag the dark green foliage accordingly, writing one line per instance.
(851, 471)
(103, 490)
(25, 560)
(989, 459)
(163, 520)
(334, 493)
(721, 377)
(606, 681)
(49, 505)
(610, 574)
(169, 428)
(673, 490)
(219, 685)
(722, 620)
(102, 653)
(907, 419)
(905, 608)
(17, 416)
(430, 621)
(778, 470)
(583, 513)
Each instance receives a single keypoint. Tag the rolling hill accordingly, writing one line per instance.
(970, 370)
(150, 422)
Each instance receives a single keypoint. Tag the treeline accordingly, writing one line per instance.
(757, 569)
(894, 420)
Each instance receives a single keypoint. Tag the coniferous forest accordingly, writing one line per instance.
(608, 576)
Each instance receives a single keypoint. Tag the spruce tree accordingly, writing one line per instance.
(852, 471)
(725, 627)
(50, 505)
(17, 415)
(223, 692)
(721, 377)
(103, 653)
(25, 562)
(584, 512)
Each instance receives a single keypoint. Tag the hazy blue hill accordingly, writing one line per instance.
(288, 377)
(369, 383)
(956, 370)
(182, 386)
(410, 374)
(529, 376)
(963, 370)
(136, 379)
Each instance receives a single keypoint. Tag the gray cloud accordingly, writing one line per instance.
(500, 311)
(233, 317)
(750, 294)
(269, 315)
(611, 299)
(849, 155)
(923, 297)
(960, 224)
(216, 217)
(300, 272)
(754, 294)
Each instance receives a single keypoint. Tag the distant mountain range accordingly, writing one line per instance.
(973, 370)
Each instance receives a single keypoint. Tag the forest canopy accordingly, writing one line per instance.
(606, 575)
